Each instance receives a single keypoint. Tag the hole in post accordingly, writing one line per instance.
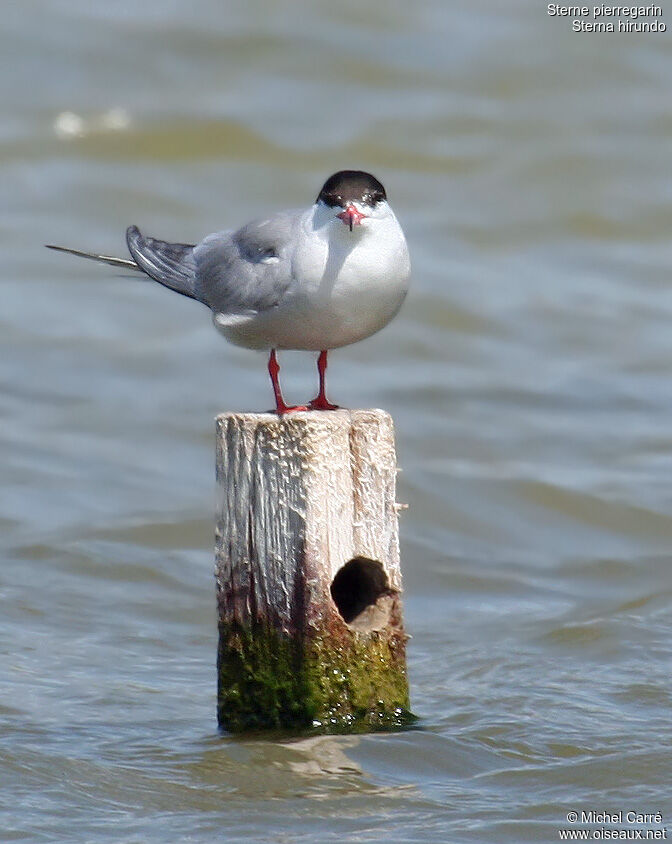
(362, 594)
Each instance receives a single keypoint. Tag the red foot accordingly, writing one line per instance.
(321, 403)
(280, 407)
(283, 409)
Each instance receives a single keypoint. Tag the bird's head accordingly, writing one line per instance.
(353, 197)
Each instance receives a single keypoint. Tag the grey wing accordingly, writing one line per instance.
(171, 264)
(249, 270)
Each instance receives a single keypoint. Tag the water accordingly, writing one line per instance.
(528, 375)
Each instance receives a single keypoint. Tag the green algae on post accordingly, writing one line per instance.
(311, 633)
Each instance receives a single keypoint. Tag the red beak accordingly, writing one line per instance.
(351, 216)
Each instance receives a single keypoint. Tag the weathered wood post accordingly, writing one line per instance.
(308, 577)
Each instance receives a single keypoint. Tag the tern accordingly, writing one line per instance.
(311, 279)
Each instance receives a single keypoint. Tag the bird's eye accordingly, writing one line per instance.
(331, 199)
(372, 197)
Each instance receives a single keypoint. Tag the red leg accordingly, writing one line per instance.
(321, 403)
(280, 407)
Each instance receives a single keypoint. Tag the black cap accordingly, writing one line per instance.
(351, 186)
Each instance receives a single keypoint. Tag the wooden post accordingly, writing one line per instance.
(308, 578)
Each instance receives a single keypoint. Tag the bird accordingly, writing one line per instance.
(312, 279)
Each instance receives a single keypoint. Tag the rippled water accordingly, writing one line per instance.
(529, 376)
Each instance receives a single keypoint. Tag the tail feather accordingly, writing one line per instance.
(171, 264)
(103, 259)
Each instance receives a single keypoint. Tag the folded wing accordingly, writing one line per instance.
(247, 271)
